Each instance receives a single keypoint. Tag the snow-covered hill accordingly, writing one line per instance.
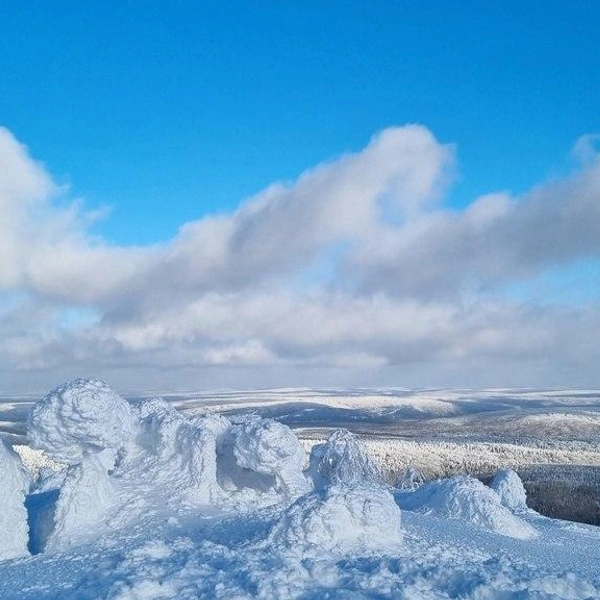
(138, 500)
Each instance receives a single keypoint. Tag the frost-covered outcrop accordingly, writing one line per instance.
(341, 460)
(339, 520)
(467, 499)
(509, 487)
(81, 417)
(13, 516)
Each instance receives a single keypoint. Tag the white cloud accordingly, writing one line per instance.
(409, 282)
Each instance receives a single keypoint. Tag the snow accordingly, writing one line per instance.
(509, 487)
(341, 520)
(13, 517)
(467, 499)
(341, 460)
(81, 417)
(141, 501)
(411, 479)
(268, 447)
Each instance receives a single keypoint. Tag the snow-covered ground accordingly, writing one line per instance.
(214, 496)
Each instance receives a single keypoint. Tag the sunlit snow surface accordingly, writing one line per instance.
(212, 500)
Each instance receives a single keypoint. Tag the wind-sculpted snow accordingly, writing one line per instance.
(341, 520)
(171, 456)
(155, 504)
(13, 517)
(509, 487)
(78, 418)
(342, 460)
(86, 498)
(268, 447)
(466, 499)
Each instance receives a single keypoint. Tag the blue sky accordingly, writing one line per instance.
(168, 113)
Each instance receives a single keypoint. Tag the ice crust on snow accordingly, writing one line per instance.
(173, 456)
(80, 417)
(467, 499)
(14, 483)
(509, 487)
(86, 496)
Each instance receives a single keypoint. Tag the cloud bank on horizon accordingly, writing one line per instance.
(360, 271)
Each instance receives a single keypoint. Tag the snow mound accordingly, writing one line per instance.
(270, 448)
(87, 496)
(466, 499)
(14, 532)
(341, 460)
(340, 520)
(80, 417)
(509, 487)
(172, 455)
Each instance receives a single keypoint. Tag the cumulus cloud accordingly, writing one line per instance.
(408, 281)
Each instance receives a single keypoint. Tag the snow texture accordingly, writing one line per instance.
(341, 520)
(509, 487)
(467, 499)
(85, 497)
(173, 456)
(13, 516)
(78, 418)
(341, 460)
(165, 506)
(267, 447)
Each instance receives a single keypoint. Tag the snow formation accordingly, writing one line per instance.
(341, 520)
(14, 533)
(145, 502)
(411, 479)
(467, 499)
(82, 417)
(509, 487)
(270, 448)
(341, 460)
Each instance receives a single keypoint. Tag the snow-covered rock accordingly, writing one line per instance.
(13, 516)
(341, 460)
(84, 416)
(509, 487)
(466, 499)
(339, 520)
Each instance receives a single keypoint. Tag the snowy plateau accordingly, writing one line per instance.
(298, 493)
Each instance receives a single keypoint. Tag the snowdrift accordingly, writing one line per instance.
(341, 520)
(467, 499)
